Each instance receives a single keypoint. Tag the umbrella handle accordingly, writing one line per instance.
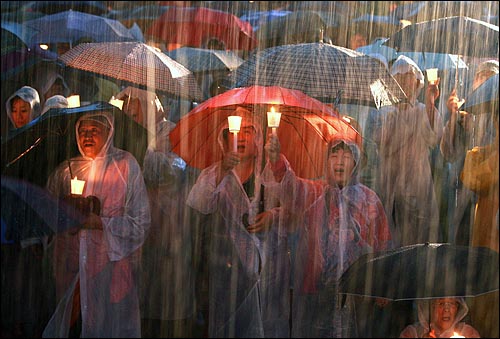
(38, 141)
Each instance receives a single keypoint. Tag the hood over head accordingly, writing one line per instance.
(28, 94)
(102, 117)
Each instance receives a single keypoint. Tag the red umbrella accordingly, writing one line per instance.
(195, 26)
(306, 127)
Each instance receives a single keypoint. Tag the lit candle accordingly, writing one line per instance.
(234, 127)
(273, 120)
(116, 102)
(432, 75)
(73, 101)
(457, 335)
(77, 186)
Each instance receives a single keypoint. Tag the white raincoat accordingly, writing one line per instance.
(404, 179)
(103, 262)
(421, 328)
(249, 273)
(28, 94)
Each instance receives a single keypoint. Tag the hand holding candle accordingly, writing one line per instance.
(77, 186)
(273, 120)
(234, 127)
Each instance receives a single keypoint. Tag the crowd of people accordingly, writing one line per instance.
(245, 247)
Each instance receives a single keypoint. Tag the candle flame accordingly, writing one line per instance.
(457, 335)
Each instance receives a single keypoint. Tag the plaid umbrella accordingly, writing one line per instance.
(202, 60)
(135, 63)
(326, 72)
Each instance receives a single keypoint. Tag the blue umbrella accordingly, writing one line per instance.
(30, 211)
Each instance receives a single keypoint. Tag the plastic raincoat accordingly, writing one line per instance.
(249, 273)
(168, 275)
(404, 179)
(421, 329)
(28, 94)
(334, 227)
(103, 262)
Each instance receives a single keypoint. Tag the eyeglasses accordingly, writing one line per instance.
(447, 304)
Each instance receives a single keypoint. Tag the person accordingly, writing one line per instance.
(480, 175)
(143, 106)
(445, 320)
(462, 132)
(168, 275)
(23, 106)
(358, 37)
(408, 132)
(50, 82)
(336, 220)
(248, 257)
(55, 101)
(96, 266)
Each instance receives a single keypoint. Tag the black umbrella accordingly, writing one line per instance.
(33, 151)
(29, 211)
(484, 99)
(457, 35)
(423, 271)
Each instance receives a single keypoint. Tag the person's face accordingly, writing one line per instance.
(92, 136)
(481, 77)
(133, 108)
(357, 41)
(21, 112)
(246, 142)
(408, 82)
(340, 166)
(444, 312)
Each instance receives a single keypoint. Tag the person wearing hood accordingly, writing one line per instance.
(408, 132)
(446, 315)
(96, 265)
(23, 106)
(337, 220)
(55, 101)
(248, 258)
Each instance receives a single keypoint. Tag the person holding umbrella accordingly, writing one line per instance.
(96, 266)
(446, 315)
(337, 220)
(248, 258)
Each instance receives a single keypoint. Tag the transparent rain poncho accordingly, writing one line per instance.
(249, 273)
(404, 179)
(332, 227)
(421, 328)
(103, 262)
(28, 94)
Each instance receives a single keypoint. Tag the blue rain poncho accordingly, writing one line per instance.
(249, 273)
(104, 262)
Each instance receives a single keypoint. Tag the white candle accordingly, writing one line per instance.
(273, 120)
(432, 75)
(234, 127)
(73, 101)
(77, 186)
(116, 102)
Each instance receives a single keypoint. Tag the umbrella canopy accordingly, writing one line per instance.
(423, 271)
(325, 72)
(306, 127)
(73, 26)
(453, 35)
(33, 151)
(204, 60)
(30, 211)
(257, 18)
(135, 63)
(484, 99)
(195, 26)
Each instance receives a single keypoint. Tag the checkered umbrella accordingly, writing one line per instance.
(329, 73)
(203, 60)
(135, 63)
